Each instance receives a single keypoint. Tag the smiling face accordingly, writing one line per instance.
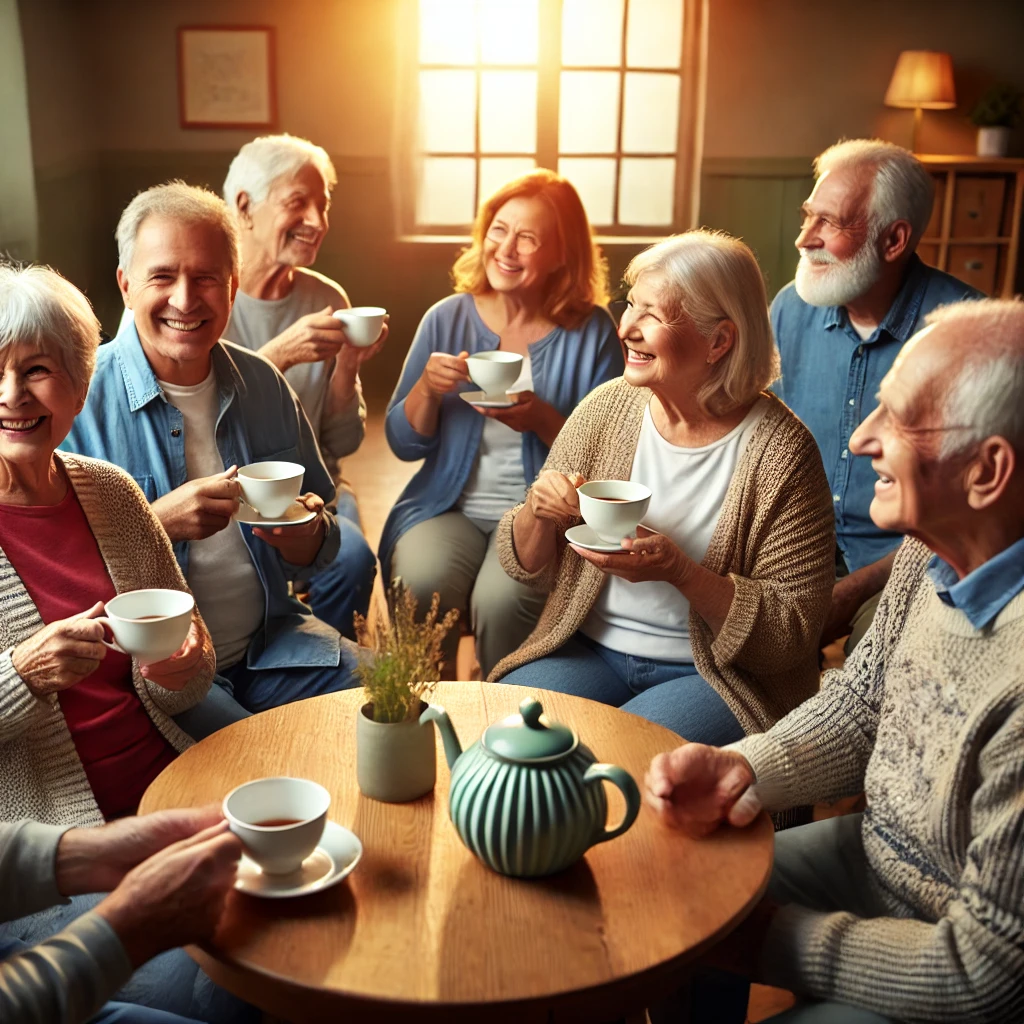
(521, 247)
(291, 222)
(180, 287)
(38, 403)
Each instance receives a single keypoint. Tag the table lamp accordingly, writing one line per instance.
(922, 79)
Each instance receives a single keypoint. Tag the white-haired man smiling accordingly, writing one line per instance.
(913, 910)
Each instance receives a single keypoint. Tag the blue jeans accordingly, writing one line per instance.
(341, 590)
(670, 693)
(216, 710)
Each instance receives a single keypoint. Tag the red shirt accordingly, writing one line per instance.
(55, 553)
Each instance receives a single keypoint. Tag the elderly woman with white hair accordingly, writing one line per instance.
(279, 189)
(708, 621)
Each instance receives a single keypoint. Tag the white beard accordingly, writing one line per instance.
(844, 281)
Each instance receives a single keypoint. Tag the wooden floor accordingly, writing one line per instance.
(378, 477)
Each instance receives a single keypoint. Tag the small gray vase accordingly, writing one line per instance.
(395, 761)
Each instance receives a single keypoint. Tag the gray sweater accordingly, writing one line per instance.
(67, 978)
(927, 719)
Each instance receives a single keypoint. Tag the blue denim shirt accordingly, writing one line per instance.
(128, 421)
(830, 379)
(981, 595)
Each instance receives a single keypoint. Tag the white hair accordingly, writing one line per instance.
(260, 163)
(177, 201)
(710, 277)
(986, 399)
(903, 189)
(38, 306)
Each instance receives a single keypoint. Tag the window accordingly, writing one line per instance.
(606, 92)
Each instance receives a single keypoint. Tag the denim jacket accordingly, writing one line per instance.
(128, 421)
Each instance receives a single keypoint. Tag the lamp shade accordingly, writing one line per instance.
(923, 79)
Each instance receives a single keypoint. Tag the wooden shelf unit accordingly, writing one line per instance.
(974, 233)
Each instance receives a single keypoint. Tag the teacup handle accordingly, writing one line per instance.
(598, 773)
(113, 645)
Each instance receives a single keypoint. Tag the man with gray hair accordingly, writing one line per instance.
(860, 292)
(181, 410)
(913, 910)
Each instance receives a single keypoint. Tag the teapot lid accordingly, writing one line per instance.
(528, 736)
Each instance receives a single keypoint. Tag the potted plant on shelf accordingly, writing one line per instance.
(995, 114)
(401, 661)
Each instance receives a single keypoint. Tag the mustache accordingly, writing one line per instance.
(820, 256)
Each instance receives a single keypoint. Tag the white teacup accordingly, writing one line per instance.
(494, 372)
(270, 487)
(279, 820)
(149, 625)
(363, 324)
(613, 508)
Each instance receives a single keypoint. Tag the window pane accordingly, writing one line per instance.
(508, 31)
(496, 170)
(448, 111)
(588, 116)
(508, 112)
(595, 182)
(647, 191)
(654, 35)
(592, 32)
(650, 113)
(447, 31)
(446, 190)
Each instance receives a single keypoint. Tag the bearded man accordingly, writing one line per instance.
(860, 293)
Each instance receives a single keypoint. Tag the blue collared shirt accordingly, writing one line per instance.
(128, 421)
(981, 595)
(830, 378)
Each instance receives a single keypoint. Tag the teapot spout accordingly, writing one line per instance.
(452, 747)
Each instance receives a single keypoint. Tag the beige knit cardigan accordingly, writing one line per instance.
(775, 538)
(41, 776)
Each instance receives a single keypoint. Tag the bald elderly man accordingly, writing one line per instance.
(913, 910)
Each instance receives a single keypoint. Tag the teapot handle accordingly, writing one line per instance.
(598, 773)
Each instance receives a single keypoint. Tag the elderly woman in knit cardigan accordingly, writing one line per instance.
(83, 729)
(707, 622)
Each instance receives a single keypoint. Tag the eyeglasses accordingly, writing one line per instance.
(522, 243)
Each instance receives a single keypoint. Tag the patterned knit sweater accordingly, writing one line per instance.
(774, 538)
(927, 718)
(41, 776)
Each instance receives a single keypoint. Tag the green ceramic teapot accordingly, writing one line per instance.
(527, 798)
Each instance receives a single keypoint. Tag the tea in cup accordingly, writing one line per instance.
(279, 820)
(270, 487)
(362, 324)
(494, 372)
(613, 508)
(148, 625)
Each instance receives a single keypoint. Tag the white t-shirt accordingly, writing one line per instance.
(221, 574)
(652, 620)
(497, 480)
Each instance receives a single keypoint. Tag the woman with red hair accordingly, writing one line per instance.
(533, 282)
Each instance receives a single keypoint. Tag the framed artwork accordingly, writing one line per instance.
(226, 76)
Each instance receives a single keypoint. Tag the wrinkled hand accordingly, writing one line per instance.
(97, 859)
(298, 544)
(199, 508)
(175, 897)
(553, 497)
(175, 672)
(443, 374)
(651, 558)
(311, 339)
(62, 653)
(696, 788)
(846, 600)
(351, 357)
(528, 413)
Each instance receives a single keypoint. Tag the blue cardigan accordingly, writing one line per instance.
(566, 365)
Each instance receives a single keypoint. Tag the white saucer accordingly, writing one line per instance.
(485, 401)
(293, 516)
(584, 536)
(338, 853)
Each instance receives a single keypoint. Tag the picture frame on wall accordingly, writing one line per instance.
(226, 76)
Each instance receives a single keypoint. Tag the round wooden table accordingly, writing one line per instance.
(422, 930)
